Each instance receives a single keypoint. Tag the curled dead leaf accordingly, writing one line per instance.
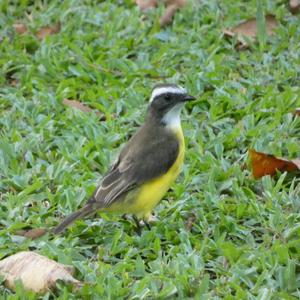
(37, 273)
(20, 28)
(249, 29)
(266, 164)
(294, 6)
(48, 30)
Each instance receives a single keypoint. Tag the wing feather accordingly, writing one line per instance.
(137, 163)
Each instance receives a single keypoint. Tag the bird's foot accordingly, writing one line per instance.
(152, 219)
(148, 221)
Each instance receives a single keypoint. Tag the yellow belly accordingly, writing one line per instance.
(152, 192)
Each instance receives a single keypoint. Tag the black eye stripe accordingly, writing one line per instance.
(167, 94)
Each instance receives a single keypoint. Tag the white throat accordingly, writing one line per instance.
(172, 118)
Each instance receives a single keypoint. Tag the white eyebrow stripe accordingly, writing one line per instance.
(163, 90)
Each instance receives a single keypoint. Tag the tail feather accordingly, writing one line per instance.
(84, 211)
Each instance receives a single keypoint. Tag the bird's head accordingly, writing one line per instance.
(166, 102)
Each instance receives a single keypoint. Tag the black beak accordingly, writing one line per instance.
(188, 98)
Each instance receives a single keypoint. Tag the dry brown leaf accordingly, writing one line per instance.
(13, 82)
(190, 222)
(242, 44)
(297, 111)
(37, 273)
(267, 164)
(171, 7)
(179, 3)
(48, 30)
(80, 106)
(294, 6)
(32, 233)
(167, 17)
(249, 29)
(20, 28)
(146, 4)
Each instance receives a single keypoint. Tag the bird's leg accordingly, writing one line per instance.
(147, 224)
(149, 219)
(137, 223)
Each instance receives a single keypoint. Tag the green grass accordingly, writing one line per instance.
(243, 236)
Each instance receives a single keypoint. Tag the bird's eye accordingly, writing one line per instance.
(168, 97)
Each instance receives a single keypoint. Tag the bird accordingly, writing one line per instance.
(147, 165)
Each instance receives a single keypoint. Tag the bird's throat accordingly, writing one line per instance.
(172, 118)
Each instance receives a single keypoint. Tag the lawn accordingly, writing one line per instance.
(221, 234)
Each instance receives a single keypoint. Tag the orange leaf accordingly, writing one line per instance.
(267, 164)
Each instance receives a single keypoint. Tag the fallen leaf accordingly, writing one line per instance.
(267, 164)
(294, 6)
(179, 3)
(48, 30)
(167, 17)
(20, 28)
(146, 4)
(242, 43)
(190, 222)
(249, 29)
(297, 111)
(13, 82)
(80, 106)
(32, 233)
(37, 273)
(171, 7)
